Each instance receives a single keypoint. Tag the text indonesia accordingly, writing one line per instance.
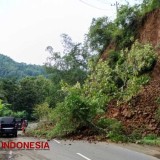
(39, 145)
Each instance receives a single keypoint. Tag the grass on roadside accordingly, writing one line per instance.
(151, 140)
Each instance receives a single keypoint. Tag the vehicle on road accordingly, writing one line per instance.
(8, 126)
(26, 122)
(19, 122)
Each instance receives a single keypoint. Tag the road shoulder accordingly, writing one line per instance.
(146, 149)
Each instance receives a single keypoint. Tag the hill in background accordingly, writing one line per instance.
(9, 68)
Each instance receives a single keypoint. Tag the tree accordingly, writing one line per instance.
(10, 89)
(127, 22)
(100, 34)
(33, 90)
(71, 66)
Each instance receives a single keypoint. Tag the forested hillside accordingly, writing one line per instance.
(10, 68)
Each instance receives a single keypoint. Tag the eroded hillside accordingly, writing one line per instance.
(139, 115)
(150, 32)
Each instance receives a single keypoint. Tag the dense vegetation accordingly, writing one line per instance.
(21, 96)
(81, 84)
(10, 68)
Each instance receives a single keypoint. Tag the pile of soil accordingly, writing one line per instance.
(140, 113)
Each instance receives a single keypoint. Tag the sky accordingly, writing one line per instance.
(27, 27)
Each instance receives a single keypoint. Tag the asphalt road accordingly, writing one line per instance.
(71, 150)
(75, 150)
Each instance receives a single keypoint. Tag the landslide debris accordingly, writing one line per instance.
(140, 113)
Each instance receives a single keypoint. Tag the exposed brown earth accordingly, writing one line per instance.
(140, 113)
(150, 32)
(150, 29)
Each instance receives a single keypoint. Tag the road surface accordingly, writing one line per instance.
(71, 150)
(75, 150)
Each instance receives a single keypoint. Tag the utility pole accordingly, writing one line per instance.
(116, 4)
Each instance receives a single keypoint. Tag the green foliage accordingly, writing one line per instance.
(117, 137)
(71, 66)
(99, 84)
(33, 90)
(114, 129)
(71, 113)
(62, 118)
(42, 111)
(111, 124)
(6, 111)
(122, 32)
(151, 139)
(9, 90)
(1, 107)
(19, 114)
(24, 94)
(149, 5)
(141, 58)
(132, 87)
(131, 67)
(100, 34)
(127, 22)
(135, 135)
(113, 57)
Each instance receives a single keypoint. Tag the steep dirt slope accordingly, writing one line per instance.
(139, 114)
(150, 32)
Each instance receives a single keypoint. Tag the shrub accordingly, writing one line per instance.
(113, 57)
(151, 139)
(113, 128)
(141, 58)
(42, 111)
(135, 135)
(72, 113)
(132, 68)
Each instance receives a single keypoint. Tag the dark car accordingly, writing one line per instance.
(19, 122)
(8, 126)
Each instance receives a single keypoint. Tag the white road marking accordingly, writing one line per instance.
(83, 156)
(56, 141)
